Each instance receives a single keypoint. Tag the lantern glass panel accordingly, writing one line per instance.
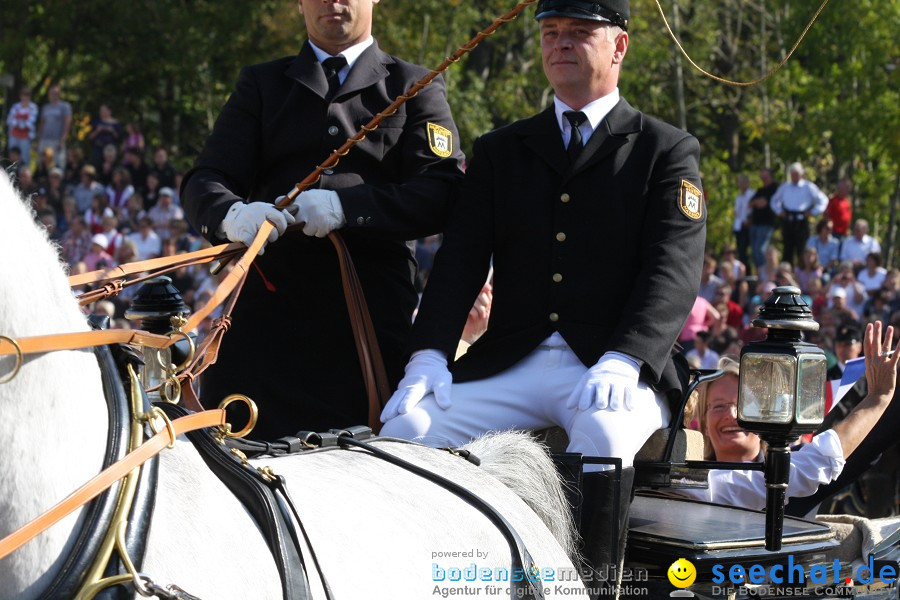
(767, 388)
(811, 389)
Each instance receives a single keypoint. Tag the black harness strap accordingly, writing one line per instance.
(259, 496)
(529, 584)
(99, 513)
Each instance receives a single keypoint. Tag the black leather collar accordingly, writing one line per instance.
(99, 516)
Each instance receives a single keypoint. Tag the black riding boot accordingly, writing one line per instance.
(606, 500)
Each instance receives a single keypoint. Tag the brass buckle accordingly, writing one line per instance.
(20, 359)
(225, 430)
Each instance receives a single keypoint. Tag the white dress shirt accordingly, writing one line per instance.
(818, 463)
(596, 111)
(799, 197)
(856, 250)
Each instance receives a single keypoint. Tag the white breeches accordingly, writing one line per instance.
(532, 395)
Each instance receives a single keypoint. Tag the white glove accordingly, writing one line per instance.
(243, 221)
(426, 372)
(321, 210)
(612, 382)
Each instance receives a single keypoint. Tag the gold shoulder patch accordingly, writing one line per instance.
(690, 200)
(440, 140)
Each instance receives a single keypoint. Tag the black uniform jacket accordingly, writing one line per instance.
(607, 251)
(290, 346)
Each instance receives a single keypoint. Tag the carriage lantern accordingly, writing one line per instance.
(782, 393)
(159, 307)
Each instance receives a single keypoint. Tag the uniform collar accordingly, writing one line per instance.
(370, 66)
(350, 54)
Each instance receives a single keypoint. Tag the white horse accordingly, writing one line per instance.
(377, 530)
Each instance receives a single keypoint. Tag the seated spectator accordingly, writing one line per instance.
(56, 191)
(809, 269)
(773, 262)
(134, 139)
(38, 201)
(48, 219)
(709, 281)
(891, 287)
(878, 308)
(76, 242)
(126, 253)
(857, 247)
(180, 234)
(701, 318)
(815, 464)
(74, 164)
(132, 213)
(816, 291)
(701, 354)
(151, 190)
(147, 243)
(839, 308)
(164, 212)
(826, 245)
(731, 269)
(25, 181)
(86, 188)
(735, 316)
(108, 165)
(872, 276)
(12, 162)
(111, 231)
(133, 161)
(98, 210)
(46, 162)
(855, 294)
(119, 190)
(162, 168)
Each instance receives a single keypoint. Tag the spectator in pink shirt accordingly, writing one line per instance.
(701, 317)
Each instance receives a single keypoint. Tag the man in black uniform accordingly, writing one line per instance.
(290, 347)
(594, 217)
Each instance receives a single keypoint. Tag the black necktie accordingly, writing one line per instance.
(332, 66)
(576, 119)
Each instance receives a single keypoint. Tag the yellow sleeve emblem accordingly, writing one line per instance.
(690, 200)
(440, 140)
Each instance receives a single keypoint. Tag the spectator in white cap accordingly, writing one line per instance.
(163, 212)
(97, 257)
(796, 201)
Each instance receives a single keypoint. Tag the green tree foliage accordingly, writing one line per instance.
(834, 106)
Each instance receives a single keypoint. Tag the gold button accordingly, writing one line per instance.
(554, 317)
(560, 237)
(557, 277)
(565, 197)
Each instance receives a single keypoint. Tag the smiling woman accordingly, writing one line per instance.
(817, 463)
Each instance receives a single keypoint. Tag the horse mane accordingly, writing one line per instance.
(523, 464)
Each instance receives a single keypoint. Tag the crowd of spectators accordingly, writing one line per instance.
(106, 200)
(110, 199)
(838, 268)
